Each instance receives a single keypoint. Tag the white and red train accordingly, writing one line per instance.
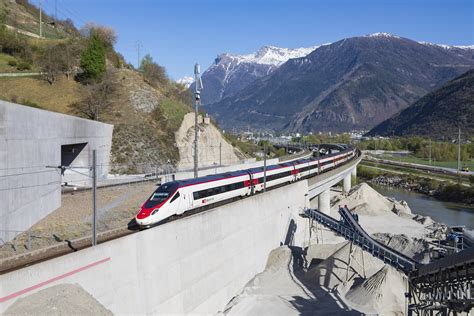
(177, 197)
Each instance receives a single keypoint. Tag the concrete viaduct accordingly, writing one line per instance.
(196, 264)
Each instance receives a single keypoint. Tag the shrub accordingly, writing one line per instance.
(12, 63)
(280, 152)
(455, 193)
(153, 73)
(31, 104)
(23, 65)
(368, 173)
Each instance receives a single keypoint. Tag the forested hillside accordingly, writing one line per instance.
(439, 114)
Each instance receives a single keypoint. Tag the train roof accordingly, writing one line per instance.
(272, 167)
(255, 170)
(212, 177)
(305, 160)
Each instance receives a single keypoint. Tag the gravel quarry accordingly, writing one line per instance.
(317, 280)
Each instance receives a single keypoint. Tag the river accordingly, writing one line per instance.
(451, 214)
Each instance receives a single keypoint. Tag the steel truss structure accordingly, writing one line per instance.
(443, 287)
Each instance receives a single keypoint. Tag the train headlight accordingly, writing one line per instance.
(154, 211)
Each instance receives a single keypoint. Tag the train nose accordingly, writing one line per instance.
(145, 216)
(142, 214)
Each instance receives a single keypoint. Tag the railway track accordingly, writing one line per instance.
(69, 246)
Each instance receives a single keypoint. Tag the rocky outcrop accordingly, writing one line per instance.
(403, 183)
(213, 148)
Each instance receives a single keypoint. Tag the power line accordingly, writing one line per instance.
(73, 12)
(31, 186)
(27, 174)
(26, 167)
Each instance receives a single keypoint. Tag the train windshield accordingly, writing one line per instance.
(161, 194)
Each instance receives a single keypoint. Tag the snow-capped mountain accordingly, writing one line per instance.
(471, 47)
(382, 34)
(186, 81)
(389, 35)
(270, 55)
(354, 83)
(231, 72)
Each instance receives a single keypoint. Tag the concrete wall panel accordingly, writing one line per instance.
(30, 140)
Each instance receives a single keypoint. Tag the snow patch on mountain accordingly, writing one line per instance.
(268, 55)
(186, 81)
(382, 34)
(448, 46)
(465, 46)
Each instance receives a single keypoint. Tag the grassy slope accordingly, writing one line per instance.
(425, 161)
(55, 97)
(27, 19)
(141, 141)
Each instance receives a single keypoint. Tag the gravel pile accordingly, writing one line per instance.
(62, 299)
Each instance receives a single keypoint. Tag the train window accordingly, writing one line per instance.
(218, 190)
(161, 194)
(175, 197)
(156, 198)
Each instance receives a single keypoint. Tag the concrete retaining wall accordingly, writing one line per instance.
(192, 265)
(30, 140)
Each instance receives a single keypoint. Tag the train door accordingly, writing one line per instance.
(251, 182)
(183, 202)
(188, 199)
(177, 204)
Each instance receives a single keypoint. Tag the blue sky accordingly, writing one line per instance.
(178, 33)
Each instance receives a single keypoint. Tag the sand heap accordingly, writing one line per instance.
(333, 270)
(272, 291)
(415, 248)
(382, 293)
(365, 200)
(285, 287)
(63, 299)
(379, 214)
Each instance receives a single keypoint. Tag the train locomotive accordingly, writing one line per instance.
(177, 197)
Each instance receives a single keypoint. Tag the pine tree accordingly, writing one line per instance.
(93, 59)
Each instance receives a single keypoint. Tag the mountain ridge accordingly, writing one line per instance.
(231, 73)
(439, 113)
(354, 83)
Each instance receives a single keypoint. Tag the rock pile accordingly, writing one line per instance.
(62, 299)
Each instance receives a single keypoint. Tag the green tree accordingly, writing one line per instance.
(3, 20)
(146, 60)
(93, 59)
(153, 73)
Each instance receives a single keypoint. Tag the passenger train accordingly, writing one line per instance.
(177, 197)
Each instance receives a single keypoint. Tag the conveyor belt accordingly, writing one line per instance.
(349, 228)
